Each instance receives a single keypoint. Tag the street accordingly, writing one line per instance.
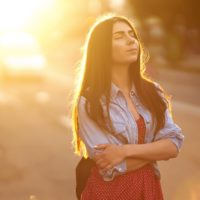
(36, 156)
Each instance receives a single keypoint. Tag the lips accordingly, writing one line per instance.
(132, 50)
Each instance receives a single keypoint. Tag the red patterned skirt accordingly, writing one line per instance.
(140, 184)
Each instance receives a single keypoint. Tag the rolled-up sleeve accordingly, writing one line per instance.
(171, 131)
(91, 134)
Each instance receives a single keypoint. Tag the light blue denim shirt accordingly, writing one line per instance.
(125, 124)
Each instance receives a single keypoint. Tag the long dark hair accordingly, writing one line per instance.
(95, 81)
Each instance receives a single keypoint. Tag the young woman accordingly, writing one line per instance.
(121, 119)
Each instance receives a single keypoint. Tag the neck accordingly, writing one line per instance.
(120, 77)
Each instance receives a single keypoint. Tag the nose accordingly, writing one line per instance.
(130, 40)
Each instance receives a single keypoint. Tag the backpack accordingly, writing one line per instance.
(83, 169)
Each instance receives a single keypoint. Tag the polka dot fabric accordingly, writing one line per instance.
(140, 184)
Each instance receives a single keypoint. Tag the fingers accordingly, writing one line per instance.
(100, 146)
(104, 166)
(102, 163)
(108, 167)
(98, 157)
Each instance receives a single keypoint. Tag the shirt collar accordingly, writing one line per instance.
(115, 90)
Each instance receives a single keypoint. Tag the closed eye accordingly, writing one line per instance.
(131, 33)
(120, 34)
(117, 36)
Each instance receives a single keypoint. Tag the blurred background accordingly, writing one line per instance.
(40, 47)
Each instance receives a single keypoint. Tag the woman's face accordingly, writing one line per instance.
(125, 46)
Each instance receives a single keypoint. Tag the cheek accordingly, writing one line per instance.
(117, 50)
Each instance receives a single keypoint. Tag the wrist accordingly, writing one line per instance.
(125, 151)
(130, 150)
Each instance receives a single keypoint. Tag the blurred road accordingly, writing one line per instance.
(35, 152)
(36, 157)
(180, 176)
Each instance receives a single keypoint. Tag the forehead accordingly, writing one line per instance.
(121, 26)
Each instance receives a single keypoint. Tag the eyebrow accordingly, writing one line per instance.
(120, 32)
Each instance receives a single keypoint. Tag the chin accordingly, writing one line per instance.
(129, 60)
(132, 60)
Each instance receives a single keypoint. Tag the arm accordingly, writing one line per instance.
(167, 144)
(134, 163)
(170, 130)
(113, 154)
(92, 135)
(159, 150)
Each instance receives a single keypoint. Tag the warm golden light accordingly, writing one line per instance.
(21, 51)
(16, 14)
(15, 39)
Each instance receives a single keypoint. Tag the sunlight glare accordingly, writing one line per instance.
(116, 3)
(15, 14)
(21, 51)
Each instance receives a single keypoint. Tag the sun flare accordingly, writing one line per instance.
(15, 14)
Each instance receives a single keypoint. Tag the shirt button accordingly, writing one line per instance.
(132, 93)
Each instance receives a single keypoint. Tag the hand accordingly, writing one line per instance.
(109, 156)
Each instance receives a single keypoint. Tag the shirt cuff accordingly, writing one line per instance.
(109, 175)
(178, 143)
